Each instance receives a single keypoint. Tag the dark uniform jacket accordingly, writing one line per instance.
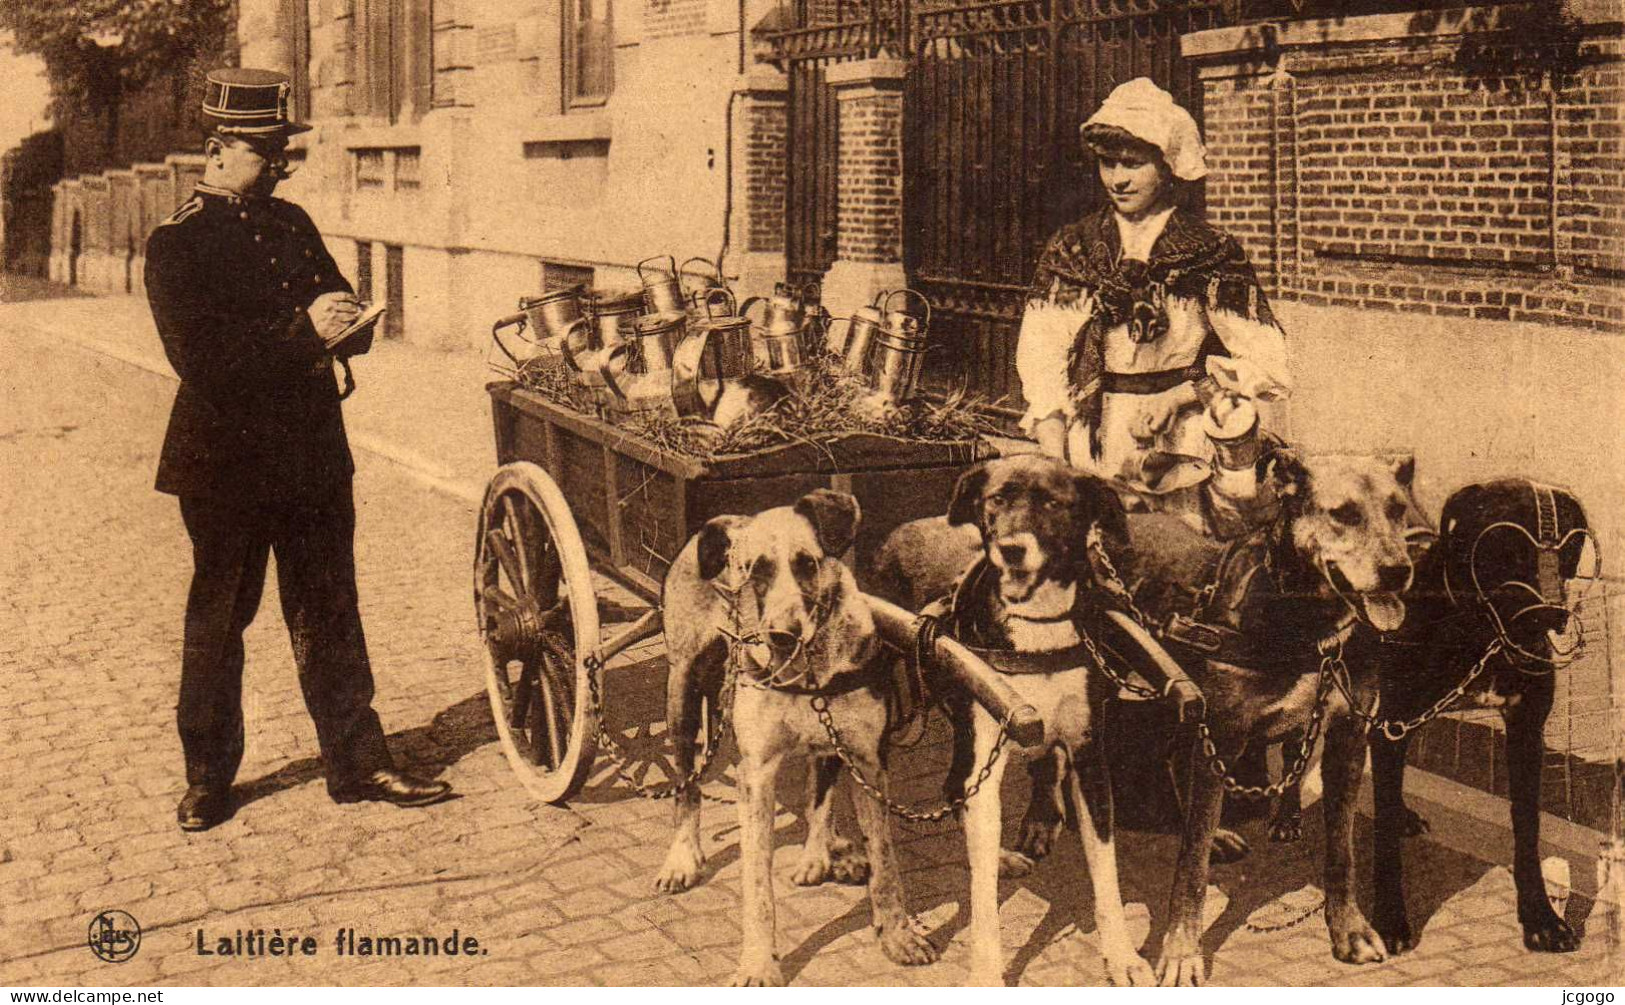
(257, 414)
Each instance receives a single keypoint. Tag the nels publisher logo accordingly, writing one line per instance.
(114, 936)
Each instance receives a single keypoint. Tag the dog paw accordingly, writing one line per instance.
(1354, 941)
(1395, 932)
(1129, 969)
(758, 974)
(849, 864)
(904, 944)
(1037, 837)
(839, 863)
(681, 869)
(1550, 936)
(1181, 969)
(1287, 827)
(1413, 824)
(1228, 846)
(1013, 864)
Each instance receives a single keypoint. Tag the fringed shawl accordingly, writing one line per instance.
(1190, 259)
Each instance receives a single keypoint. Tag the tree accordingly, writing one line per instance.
(95, 51)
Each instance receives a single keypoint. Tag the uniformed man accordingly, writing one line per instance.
(251, 308)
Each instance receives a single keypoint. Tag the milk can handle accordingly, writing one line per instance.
(685, 371)
(727, 297)
(511, 319)
(607, 368)
(750, 302)
(926, 324)
(711, 266)
(655, 258)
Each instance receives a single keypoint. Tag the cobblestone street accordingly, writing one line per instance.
(94, 569)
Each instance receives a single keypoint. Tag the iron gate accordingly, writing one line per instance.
(994, 94)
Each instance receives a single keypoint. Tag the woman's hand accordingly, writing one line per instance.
(1160, 414)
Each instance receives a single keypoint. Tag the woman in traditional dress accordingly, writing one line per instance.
(1142, 316)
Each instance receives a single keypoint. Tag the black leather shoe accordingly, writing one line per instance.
(388, 785)
(203, 807)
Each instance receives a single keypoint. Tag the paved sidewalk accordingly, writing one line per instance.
(422, 409)
(95, 570)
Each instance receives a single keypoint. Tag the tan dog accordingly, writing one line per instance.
(774, 582)
(1031, 595)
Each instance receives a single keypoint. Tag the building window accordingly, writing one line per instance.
(296, 15)
(370, 170)
(388, 169)
(557, 276)
(363, 270)
(589, 52)
(395, 291)
(397, 58)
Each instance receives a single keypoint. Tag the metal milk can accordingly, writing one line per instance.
(638, 372)
(854, 344)
(662, 288)
(554, 318)
(898, 353)
(607, 311)
(715, 356)
(710, 279)
(778, 339)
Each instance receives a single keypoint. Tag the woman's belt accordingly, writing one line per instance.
(1154, 382)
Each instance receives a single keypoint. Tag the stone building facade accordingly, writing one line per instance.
(467, 152)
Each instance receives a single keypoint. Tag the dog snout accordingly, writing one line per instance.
(1393, 578)
(1016, 552)
(783, 639)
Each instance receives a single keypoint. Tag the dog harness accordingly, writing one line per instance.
(1228, 622)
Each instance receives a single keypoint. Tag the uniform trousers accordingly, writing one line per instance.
(314, 543)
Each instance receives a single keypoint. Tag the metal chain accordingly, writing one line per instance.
(820, 706)
(1114, 581)
(1106, 668)
(621, 759)
(1395, 729)
(1317, 717)
(1294, 923)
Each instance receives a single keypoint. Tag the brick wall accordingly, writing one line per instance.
(1389, 173)
(767, 126)
(669, 18)
(869, 177)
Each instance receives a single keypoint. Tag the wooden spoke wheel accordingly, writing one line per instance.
(538, 620)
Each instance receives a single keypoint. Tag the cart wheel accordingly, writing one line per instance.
(538, 620)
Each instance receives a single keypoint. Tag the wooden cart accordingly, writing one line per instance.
(575, 493)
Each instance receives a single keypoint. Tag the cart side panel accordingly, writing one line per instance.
(652, 508)
(581, 476)
(890, 499)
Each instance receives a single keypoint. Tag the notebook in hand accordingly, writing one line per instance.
(357, 338)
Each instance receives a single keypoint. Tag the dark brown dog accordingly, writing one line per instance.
(771, 592)
(1335, 553)
(1491, 593)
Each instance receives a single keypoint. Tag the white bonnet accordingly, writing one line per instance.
(1147, 112)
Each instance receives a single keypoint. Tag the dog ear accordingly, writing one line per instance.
(965, 505)
(715, 542)
(1284, 468)
(1099, 503)
(1464, 503)
(834, 516)
(1404, 469)
(1571, 515)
